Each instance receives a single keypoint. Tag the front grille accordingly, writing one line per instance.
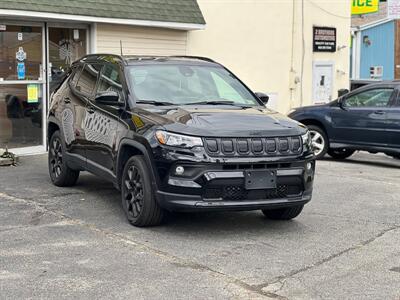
(280, 146)
(238, 192)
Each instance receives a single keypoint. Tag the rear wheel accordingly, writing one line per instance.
(319, 140)
(138, 199)
(340, 153)
(60, 173)
(286, 213)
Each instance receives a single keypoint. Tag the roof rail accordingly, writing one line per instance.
(193, 57)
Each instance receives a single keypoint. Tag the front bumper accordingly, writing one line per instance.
(221, 186)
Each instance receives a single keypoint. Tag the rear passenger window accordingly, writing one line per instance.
(88, 78)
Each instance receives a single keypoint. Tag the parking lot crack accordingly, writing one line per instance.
(283, 278)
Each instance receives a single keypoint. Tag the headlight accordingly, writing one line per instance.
(307, 141)
(177, 140)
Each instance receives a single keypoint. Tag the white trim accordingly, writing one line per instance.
(92, 38)
(5, 82)
(90, 19)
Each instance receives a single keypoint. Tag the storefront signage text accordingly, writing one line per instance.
(360, 7)
(324, 39)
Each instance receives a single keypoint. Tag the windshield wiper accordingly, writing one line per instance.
(219, 102)
(156, 103)
(212, 102)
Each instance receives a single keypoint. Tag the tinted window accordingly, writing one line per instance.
(370, 98)
(186, 84)
(110, 79)
(88, 78)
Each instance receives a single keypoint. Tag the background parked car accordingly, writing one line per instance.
(367, 119)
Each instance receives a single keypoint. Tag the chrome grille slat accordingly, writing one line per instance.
(253, 146)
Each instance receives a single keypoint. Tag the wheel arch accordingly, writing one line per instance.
(51, 128)
(315, 123)
(127, 149)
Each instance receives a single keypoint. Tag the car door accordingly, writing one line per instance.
(361, 118)
(102, 121)
(79, 97)
(393, 123)
(72, 111)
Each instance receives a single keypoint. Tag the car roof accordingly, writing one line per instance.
(146, 59)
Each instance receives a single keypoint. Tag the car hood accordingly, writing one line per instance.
(226, 122)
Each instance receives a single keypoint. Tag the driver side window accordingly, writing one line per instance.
(371, 98)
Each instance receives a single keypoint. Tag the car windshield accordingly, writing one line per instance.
(188, 84)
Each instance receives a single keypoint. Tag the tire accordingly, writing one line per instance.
(340, 153)
(60, 174)
(286, 213)
(138, 199)
(320, 141)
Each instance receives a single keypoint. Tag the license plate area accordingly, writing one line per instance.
(259, 179)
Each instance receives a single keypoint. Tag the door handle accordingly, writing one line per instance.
(379, 112)
(67, 100)
(90, 110)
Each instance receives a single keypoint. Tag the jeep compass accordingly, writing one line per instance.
(177, 134)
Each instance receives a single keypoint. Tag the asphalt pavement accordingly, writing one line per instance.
(63, 243)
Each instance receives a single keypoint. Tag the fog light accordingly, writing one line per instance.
(309, 166)
(179, 170)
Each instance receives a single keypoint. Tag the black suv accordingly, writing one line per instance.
(177, 134)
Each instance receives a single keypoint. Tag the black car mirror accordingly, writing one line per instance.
(108, 98)
(263, 97)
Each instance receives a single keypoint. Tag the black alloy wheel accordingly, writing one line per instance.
(60, 174)
(133, 192)
(138, 198)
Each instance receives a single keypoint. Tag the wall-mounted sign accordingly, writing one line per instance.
(393, 9)
(3, 27)
(360, 7)
(324, 39)
(20, 36)
(21, 71)
(33, 93)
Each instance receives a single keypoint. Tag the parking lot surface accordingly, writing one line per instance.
(75, 242)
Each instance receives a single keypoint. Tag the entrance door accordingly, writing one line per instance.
(322, 82)
(22, 95)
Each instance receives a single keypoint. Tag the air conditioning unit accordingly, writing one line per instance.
(376, 72)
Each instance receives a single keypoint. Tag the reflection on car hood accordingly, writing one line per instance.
(225, 122)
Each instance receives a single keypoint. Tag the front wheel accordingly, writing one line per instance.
(340, 153)
(286, 213)
(138, 199)
(319, 141)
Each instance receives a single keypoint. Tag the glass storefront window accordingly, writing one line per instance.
(21, 115)
(66, 45)
(21, 53)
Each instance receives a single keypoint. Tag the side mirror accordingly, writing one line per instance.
(342, 92)
(109, 98)
(263, 97)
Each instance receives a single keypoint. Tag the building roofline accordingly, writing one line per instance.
(91, 19)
